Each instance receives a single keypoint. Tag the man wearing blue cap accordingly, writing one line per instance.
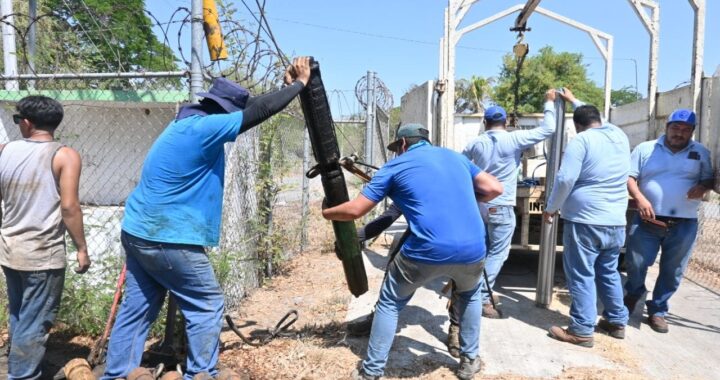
(498, 151)
(435, 188)
(174, 212)
(668, 179)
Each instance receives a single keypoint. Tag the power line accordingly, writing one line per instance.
(377, 35)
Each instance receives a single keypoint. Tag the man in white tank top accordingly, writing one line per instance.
(39, 180)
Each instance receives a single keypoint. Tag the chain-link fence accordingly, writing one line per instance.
(704, 267)
(113, 129)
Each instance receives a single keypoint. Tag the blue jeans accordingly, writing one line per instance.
(153, 269)
(590, 259)
(33, 303)
(500, 229)
(642, 249)
(404, 276)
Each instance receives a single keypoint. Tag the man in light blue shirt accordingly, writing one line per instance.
(591, 194)
(497, 152)
(668, 178)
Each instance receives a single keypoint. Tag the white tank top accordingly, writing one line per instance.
(32, 234)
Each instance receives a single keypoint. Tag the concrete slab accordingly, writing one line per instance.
(518, 346)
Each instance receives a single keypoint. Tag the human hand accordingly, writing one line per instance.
(548, 217)
(299, 70)
(83, 261)
(567, 95)
(697, 192)
(550, 95)
(645, 209)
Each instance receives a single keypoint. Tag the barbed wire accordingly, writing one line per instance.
(383, 95)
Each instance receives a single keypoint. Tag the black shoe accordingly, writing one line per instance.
(359, 374)
(468, 367)
(453, 342)
(615, 331)
(361, 326)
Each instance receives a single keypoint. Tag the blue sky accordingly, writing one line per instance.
(399, 39)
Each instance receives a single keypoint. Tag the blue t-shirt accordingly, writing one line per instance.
(591, 185)
(179, 197)
(434, 189)
(664, 177)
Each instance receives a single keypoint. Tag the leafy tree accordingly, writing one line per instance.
(624, 95)
(111, 35)
(470, 94)
(545, 70)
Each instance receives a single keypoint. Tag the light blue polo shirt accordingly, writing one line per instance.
(665, 177)
(591, 185)
(433, 187)
(179, 197)
(497, 152)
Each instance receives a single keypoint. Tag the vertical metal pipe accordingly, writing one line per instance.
(548, 234)
(196, 77)
(305, 190)
(369, 116)
(652, 73)
(32, 37)
(8, 40)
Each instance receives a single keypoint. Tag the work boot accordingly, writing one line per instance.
(630, 302)
(615, 331)
(468, 367)
(658, 323)
(359, 374)
(488, 311)
(564, 335)
(453, 341)
(361, 326)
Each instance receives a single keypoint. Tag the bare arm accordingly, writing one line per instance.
(350, 210)
(644, 207)
(487, 187)
(67, 166)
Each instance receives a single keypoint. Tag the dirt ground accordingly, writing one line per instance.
(319, 348)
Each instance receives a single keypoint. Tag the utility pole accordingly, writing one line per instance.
(196, 75)
(9, 48)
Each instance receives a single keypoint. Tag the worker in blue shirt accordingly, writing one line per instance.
(668, 179)
(175, 212)
(435, 188)
(497, 152)
(590, 191)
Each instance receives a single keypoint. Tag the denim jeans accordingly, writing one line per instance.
(500, 229)
(404, 276)
(33, 303)
(642, 249)
(590, 259)
(153, 269)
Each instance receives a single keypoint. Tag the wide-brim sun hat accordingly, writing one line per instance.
(229, 95)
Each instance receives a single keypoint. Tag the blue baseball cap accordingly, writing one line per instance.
(683, 116)
(495, 113)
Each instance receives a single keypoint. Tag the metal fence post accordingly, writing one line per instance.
(196, 76)
(305, 190)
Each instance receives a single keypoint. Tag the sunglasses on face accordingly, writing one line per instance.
(17, 118)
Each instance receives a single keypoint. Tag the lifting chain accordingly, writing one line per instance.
(520, 50)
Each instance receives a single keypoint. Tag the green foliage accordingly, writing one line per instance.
(85, 306)
(109, 35)
(545, 70)
(624, 95)
(471, 93)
